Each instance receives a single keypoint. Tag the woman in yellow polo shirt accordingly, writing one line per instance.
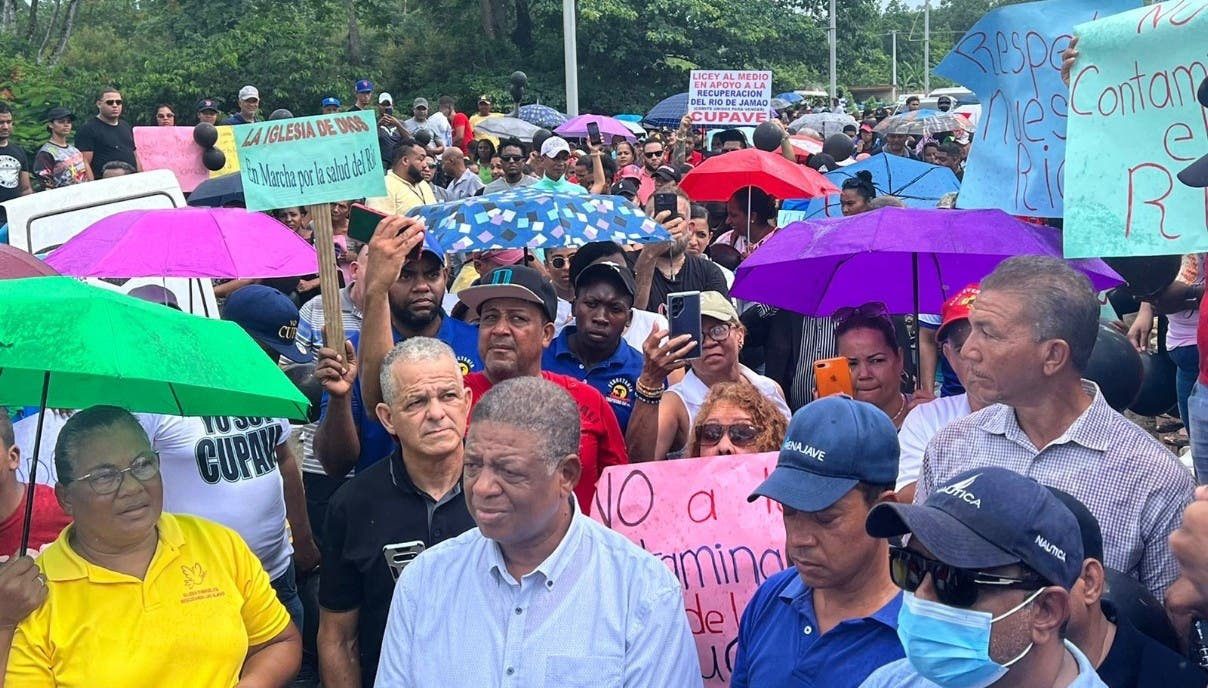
(138, 597)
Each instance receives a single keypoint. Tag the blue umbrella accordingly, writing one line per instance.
(790, 96)
(542, 115)
(668, 112)
(628, 118)
(531, 218)
(216, 192)
(918, 184)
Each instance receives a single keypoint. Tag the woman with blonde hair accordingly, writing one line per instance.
(736, 418)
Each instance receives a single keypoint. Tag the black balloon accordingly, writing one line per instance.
(205, 134)
(423, 137)
(1157, 395)
(767, 137)
(1146, 276)
(839, 146)
(1115, 366)
(213, 159)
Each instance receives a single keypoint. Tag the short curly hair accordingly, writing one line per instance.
(765, 416)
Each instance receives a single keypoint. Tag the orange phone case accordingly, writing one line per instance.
(832, 376)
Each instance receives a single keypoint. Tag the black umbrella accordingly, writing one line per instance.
(218, 192)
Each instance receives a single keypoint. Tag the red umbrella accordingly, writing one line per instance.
(15, 264)
(717, 178)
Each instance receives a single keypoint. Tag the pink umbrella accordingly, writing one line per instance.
(609, 127)
(15, 264)
(229, 243)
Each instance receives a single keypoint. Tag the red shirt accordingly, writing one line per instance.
(460, 120)
(1201, 339)
(601, 443)
(47, 522)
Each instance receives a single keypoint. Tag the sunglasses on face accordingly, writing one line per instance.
(954, 586)
(653, 154)
(167, 116)
(741, 434)
(114, 102)
(511, 158)
(561, 262)
(872, 309)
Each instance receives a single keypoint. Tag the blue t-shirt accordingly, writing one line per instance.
(615, 378)
(950, 384)
(779, 643)
(376, 442)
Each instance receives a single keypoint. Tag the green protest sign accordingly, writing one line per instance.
(310, 160)
(1134, 123)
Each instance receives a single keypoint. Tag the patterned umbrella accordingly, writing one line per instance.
(825, 123)
(668, 112)
(543, 116)
(504, 127)
(922, 123)
(536, 219)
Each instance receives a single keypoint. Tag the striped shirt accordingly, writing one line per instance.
(1132, 484)
(599, 611)
(817, 342)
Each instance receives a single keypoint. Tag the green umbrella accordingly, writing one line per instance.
(66, 344)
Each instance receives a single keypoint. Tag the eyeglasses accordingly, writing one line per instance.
(741, 434)
(871, 310)
(561, 262)
(114, 102)
(653, 154)
(511, 158)
(106, 481)
(719, 333)
(955, 587)
(431, 166)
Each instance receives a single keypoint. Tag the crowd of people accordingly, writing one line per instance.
(982, 518)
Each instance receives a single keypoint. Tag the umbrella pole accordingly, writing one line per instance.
(914, 265)
(33, 468)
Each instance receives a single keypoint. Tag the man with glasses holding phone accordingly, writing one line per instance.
(831, 619)
(512, 154)
(107, 137)
(986, 570)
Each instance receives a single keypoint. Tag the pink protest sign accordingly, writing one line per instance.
(693, 514)
(171, 148)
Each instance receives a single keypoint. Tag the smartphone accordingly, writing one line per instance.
(363, 221)
(833, 376)
(683, 312)
(593, 133)
(400, 554)
(388, 110)
(666, 201)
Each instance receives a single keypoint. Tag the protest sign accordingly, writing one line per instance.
(173, 148)
(310, 160)
(1134, 123)
(693, 515)
(1011, 59)
(729, 98)
(226, 144)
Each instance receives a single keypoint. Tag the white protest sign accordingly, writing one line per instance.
(729, 98)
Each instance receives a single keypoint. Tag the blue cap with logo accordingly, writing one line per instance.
(364, 86)
(269, 317)
(329, 101)
(832, 444)
(990, 517)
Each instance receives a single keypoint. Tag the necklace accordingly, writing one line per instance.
(897, 416)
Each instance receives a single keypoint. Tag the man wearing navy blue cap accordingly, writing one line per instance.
(364, 95)
(330, 105)
(831, 619)
(986, 571)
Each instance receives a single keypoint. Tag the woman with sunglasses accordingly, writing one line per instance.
(138, 597)
(866, 337)
(164, 116)
(736, 419)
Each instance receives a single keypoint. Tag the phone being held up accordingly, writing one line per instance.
(683, 314)
(363, 222)
(833, 376)
(666, 201)
(593, 134)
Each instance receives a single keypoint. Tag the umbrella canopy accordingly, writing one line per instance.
(609, 128)
(805, 145)
(913, 260)
(790, 96)
(541, 115)
(628, 118)
(505, 127)
(780, 104)
(717, 178)
(216, 192)
(918, 184)
(186, 242)
(668, 112)
(634, 126)
(922, 123)
(86, 346)
(15, 264)
(825, 123)
(536, 219)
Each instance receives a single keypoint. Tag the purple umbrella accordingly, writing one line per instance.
(186, 242)
(911, 259)
(577, 128)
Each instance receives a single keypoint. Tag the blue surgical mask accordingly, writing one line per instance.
(951, 646)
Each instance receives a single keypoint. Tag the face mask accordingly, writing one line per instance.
(951, 646)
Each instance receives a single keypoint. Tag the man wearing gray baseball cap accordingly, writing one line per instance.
(829, 620)
(988, 563)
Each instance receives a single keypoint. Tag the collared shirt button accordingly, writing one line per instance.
(510, 671)
(808, 630)
(519, 610)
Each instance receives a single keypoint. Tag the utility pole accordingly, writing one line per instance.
(834, 36)
(894, 79)
(570, 49)
(926, 48)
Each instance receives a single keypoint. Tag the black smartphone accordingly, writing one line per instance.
(363, 222)
(666, 201)
(388, 110)
(593, 133)
(683, 312)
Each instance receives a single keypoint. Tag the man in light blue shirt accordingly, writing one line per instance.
(556, 152)
(538, 595)
(986, 571)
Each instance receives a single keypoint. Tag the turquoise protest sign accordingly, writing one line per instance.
(307, 160)
(1134, 123)
(1011, 59)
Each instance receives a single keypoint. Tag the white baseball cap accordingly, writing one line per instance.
(249, 92)
(553, 146)
(384, 97)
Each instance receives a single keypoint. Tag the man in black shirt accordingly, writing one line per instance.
(14, 163)
(107, 137)
(1123, 656)
(667, 267)
(414, 495)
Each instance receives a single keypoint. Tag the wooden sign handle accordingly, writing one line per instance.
(329, 276)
